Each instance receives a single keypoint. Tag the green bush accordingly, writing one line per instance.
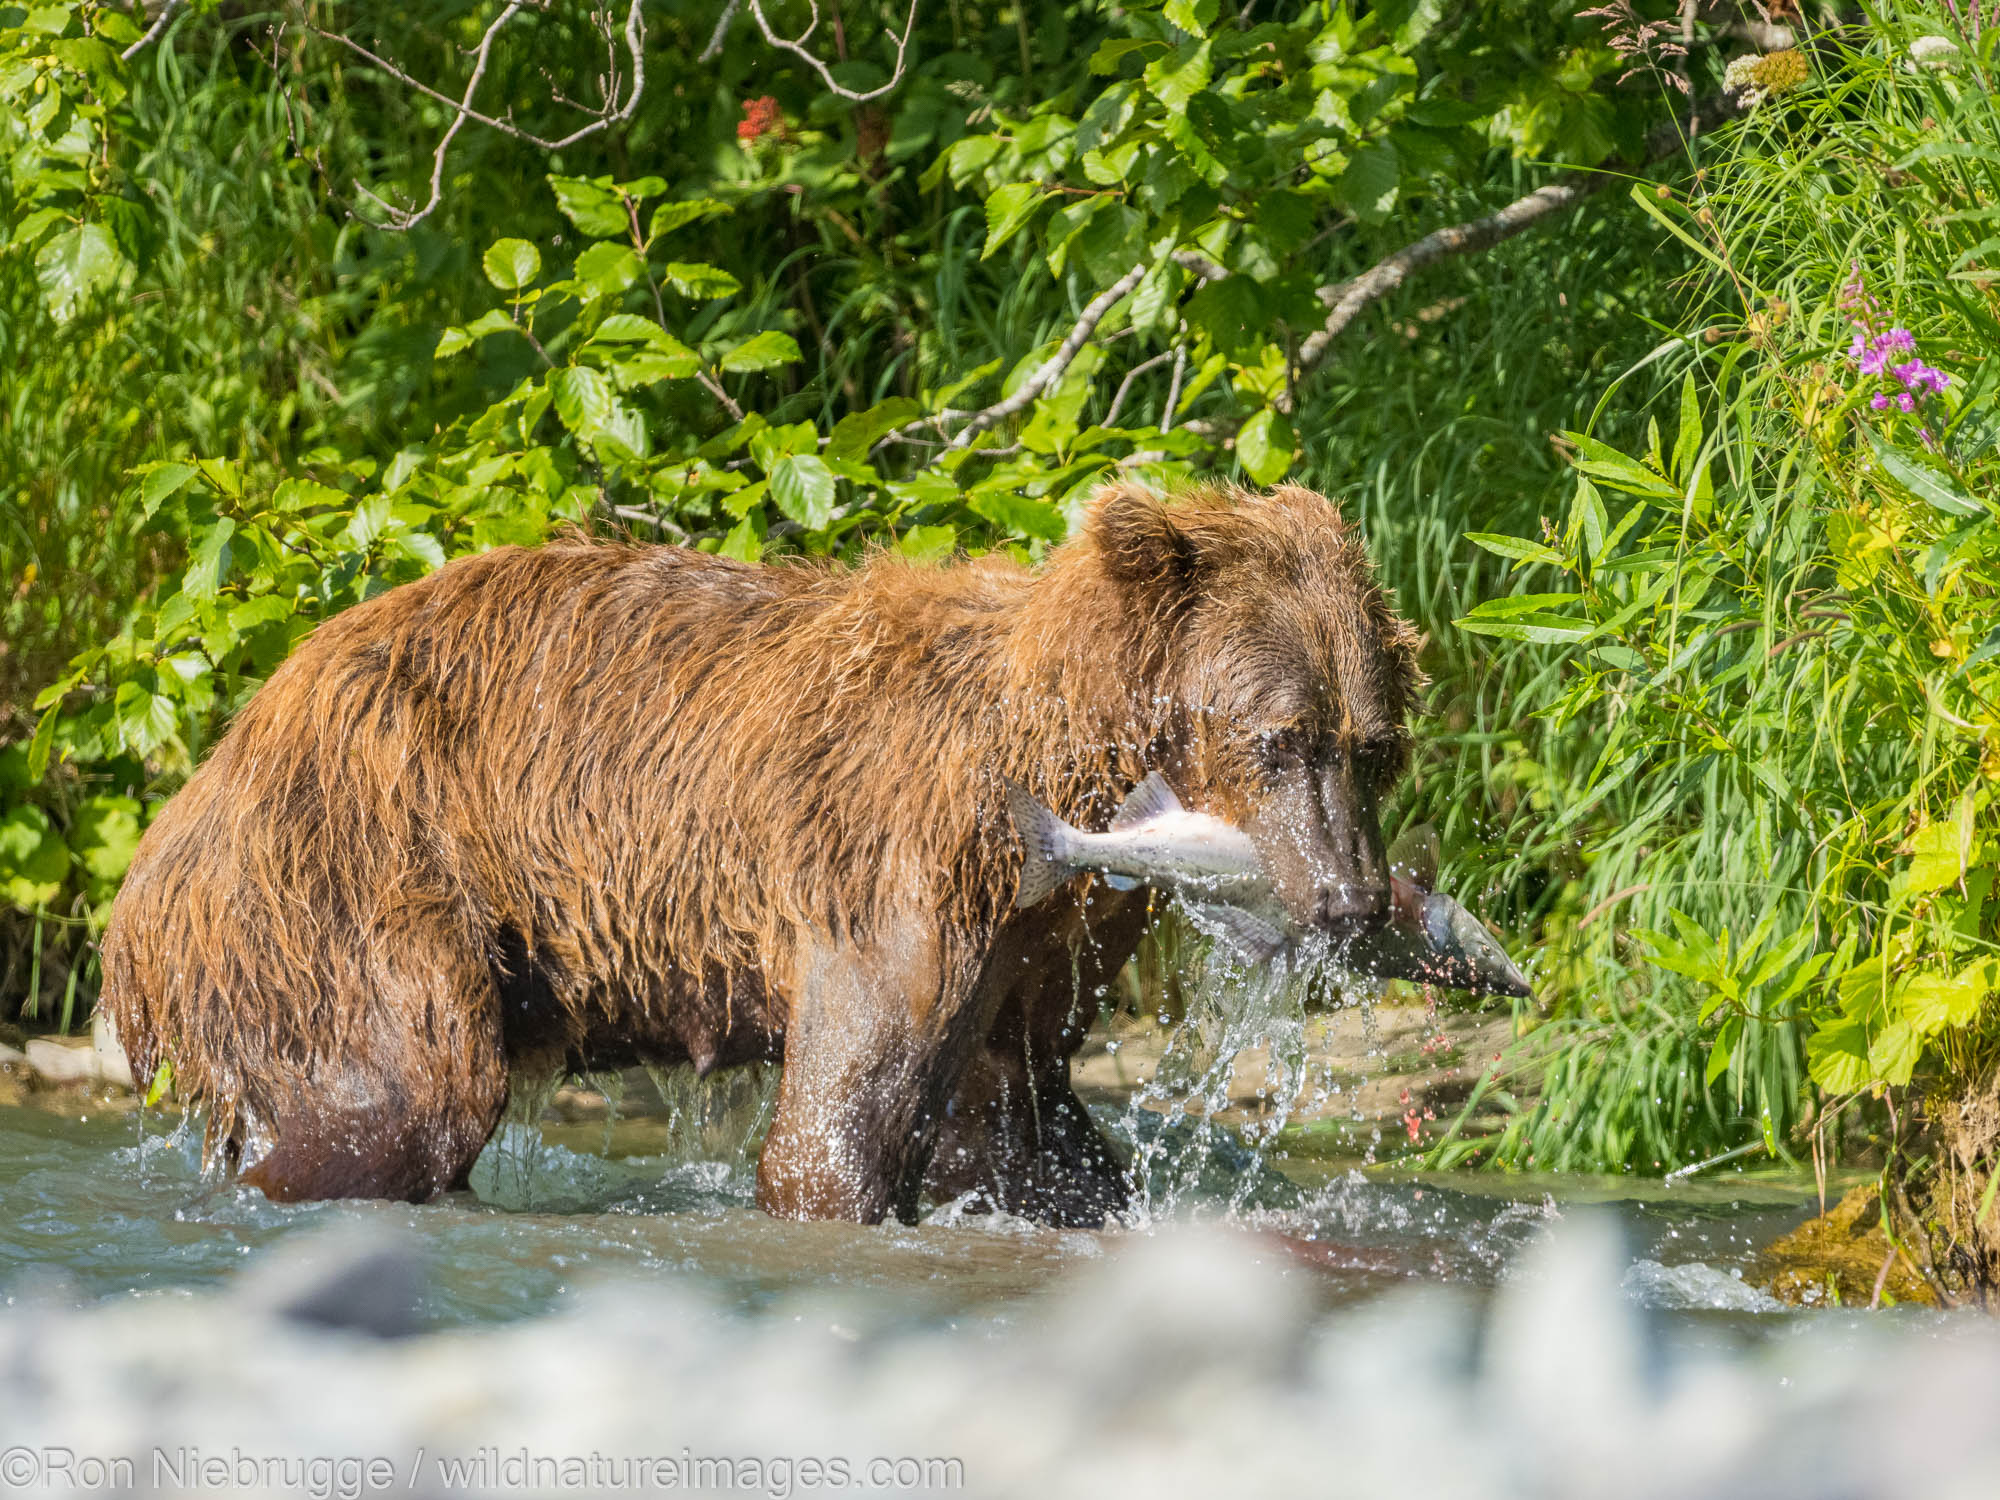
(1783, 604)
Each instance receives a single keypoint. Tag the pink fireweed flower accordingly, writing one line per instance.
(1920, 377)
(1880, 401)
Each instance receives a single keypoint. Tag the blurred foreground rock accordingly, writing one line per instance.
(1186, 1363)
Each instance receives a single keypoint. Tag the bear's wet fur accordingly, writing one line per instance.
(585, 805)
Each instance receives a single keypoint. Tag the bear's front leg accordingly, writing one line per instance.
(877, 1034)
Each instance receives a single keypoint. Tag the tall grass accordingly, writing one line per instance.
(1786, 654)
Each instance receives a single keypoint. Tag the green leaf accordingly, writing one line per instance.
(1007, 210)
(1687, 446)
(764, 351)
(583, 397)
(593, 206)
(104, 835)
(161, 1086)
(1520, 604)
(1373, 178)
(630, 328)
(858, 432)
(161, 481)
(1264, 446)
(145, 718)
(1927, 484)
(1721, 1048)
(1933, 1002)
(701, 283)
(745, 541)
(34, 861)
(75, 264)
(770, 444)
(803, 488)
(1178, 78)
(511, 264)
(1543, 629)
(671, 216)
(1614, 468)
(43, 742)
(1893, 1053)
(928, 544)
(1837, 1056)
(208, 566)
(1519, 549)
(608, 269)
(1192, 16)
(1020, 516)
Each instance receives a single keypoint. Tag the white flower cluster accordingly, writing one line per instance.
(1754, 77)
(1934, 52)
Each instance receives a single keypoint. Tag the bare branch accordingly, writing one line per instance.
(613, 112)
(1346, 300)
(797, 48)
(154, 32)
(1125, 385)
(1174, 385)
(714, 388)
(1203, 268)
(720, 35)
(1048, 374)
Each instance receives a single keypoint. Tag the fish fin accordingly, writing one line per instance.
(1043, 846)
(1149, 799)
(1414, 857)
(1253, 937)
(1121, 882)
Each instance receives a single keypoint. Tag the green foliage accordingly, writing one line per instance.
(1786, 600)
(239, 408)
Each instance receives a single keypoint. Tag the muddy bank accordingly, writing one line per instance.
(1843, 1259)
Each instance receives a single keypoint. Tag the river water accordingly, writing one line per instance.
(105, 1209)
(606, 1313)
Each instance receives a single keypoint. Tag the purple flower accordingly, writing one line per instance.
(1875, 361)
(1920, 377)
(1906, 402)
(1879, 401)
(1897, 341)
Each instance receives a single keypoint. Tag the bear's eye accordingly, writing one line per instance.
(1380, 761)
(1281, 749)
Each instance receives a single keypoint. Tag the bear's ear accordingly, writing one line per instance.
(1139, 539)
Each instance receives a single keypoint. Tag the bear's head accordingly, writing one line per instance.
(1289, 677)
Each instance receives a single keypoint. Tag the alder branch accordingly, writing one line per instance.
(1346, 300)
(796, 46)
(154, 32)
(613, 112)
(720, 35)
(1048, 374)
(1125, 385)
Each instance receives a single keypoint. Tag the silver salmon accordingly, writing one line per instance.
(1153, 840)
(1212, 866)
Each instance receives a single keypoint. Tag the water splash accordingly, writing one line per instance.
(1182, 1153)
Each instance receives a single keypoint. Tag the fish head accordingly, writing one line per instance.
(1289, 675)
(1465, 955)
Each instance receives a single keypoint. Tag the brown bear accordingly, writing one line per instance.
(585, 805)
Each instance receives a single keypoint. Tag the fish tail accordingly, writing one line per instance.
(1044, 845)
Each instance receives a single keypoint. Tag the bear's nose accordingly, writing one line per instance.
(1348, 910)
